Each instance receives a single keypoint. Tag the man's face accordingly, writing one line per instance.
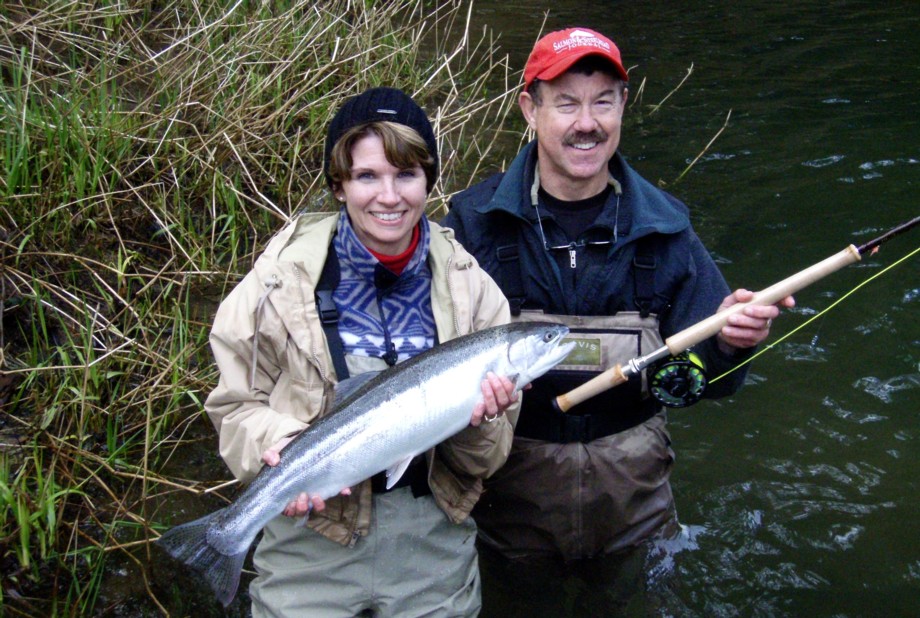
(578, 129)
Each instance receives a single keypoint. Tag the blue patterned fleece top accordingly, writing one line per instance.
(381, 314)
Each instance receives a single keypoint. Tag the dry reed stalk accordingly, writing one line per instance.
(153, 150)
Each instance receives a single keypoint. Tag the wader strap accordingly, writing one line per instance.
(563, 428)
(329, 313)
(512, 284)
(644, 264)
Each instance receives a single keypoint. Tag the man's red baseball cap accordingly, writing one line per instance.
(557, 51)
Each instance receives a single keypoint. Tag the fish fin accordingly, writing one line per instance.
(395, 472)
(349, 385)
(188, 543)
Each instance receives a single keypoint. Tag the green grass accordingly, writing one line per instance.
(149, 151)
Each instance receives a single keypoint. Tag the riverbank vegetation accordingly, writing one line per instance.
(148, 152)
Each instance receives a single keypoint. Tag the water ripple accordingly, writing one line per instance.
(746, 547)
(849, 415)
(837, 436)
(885, 389)
(826, 161)
(883, 322)
(804, 352)
(806, 509)
(717, 156)
(871, 165)
(913, 571)
(803, 310)
(754, 378)
(660, 561)
(871, 168)
(844, 536)
(787, 575)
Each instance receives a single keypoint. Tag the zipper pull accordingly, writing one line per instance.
(572, 255)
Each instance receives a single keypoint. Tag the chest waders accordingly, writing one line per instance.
(601, 343)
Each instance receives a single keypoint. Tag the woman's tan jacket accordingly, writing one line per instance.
(276, 374)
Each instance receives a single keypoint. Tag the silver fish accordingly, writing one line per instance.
(381, 425)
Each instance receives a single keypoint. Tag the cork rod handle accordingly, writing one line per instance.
(705, 329)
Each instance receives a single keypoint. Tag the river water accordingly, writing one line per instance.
(799, 495)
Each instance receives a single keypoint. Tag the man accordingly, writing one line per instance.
(572, 232)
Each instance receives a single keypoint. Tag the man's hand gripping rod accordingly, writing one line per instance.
(677, 343)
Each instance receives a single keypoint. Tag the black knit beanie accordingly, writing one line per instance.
(378, 104)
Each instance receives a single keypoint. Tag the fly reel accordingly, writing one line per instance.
(678, 381)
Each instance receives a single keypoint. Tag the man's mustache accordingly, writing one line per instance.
(585, 138)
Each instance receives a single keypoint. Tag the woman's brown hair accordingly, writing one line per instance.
(403, 147)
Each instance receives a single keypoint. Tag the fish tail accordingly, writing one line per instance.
(189, 544)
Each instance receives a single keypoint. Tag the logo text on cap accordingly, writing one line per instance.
(580, 38)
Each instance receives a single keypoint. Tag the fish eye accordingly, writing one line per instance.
(549, 336)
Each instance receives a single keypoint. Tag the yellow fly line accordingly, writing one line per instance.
(817, 315)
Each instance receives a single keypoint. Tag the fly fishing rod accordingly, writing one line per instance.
(690, 336)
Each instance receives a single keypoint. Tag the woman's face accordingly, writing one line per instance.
(383, 202)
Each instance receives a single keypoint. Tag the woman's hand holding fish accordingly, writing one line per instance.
(498, 393)
(303, 504)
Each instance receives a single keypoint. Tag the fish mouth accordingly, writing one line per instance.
(559, 353)
(547, 350)
(551, 358)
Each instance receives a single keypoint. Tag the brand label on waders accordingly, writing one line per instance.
(587, 353)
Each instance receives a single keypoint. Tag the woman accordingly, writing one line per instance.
(389, 284)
